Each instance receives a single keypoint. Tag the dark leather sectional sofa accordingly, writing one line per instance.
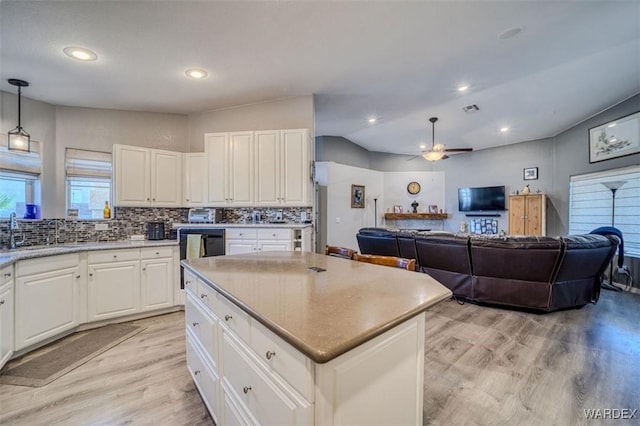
(540, 273)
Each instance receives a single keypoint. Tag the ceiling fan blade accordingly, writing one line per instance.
(458, 149)
(414, 157)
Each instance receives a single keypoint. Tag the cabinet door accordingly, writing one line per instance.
(166, 178)
(295, 168)
(534, 215)
(132, 165)
(113, 289)
(268, 177)
(517, 214)
(156, 284)
(195, 179)
(216, 147)
(241, 168)
(240, 246)
(274, 245)
(46, 305)
(6, 323)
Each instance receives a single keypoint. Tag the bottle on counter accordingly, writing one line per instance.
(106, 212)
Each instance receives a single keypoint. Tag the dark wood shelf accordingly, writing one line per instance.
(419, 216)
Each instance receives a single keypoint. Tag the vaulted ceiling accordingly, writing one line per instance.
(400, 62)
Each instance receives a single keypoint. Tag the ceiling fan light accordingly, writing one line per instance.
(438, 147)
(433, 155)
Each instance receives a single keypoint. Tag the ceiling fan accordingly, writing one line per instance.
(439, 151)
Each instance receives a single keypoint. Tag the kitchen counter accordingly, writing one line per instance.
(321, 314)
(8, 257)
(240, 225)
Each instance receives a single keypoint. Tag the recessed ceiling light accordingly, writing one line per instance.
(197, 73)
(372, 120)
(612, 125)
(504, 129)
(80, 53)
(511, 32)
(463, 88)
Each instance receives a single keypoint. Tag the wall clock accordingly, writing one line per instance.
(413, 188)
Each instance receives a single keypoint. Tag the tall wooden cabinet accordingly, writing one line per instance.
(527, 214)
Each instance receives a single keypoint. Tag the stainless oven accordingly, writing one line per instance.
(212, 242)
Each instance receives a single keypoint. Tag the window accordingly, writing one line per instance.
(19, 179)
(88, 182)
(591, 205)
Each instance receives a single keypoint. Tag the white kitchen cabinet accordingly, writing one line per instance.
(6, 314)
(113, 284)
(147, 177)
(230, 162)
(156, 283)
(248, 240)
(194, 167)
(282, 168)
(47, 298)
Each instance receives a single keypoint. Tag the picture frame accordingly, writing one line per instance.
(617, 138)
(433, 209)
(357, 196)
(530, 173)
(397, 208)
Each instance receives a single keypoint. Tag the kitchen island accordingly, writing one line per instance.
(303, 338)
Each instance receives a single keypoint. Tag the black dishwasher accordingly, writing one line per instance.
(212, 241)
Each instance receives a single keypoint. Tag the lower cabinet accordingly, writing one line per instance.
(47, 298)
(6, 314)
(249, 240)
(114, 284)
(156, 278)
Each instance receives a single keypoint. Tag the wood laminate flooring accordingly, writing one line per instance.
(483, 366)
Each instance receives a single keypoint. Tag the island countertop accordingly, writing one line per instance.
(322, 314)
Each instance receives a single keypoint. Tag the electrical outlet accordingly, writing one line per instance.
(102, 227)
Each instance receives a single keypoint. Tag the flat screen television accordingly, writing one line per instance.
(488, 198)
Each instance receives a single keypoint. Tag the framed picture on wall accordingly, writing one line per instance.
(357, 196)
(531, 173)
(614, 139)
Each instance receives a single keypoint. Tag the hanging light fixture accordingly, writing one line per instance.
(437, 151)
(19, 139)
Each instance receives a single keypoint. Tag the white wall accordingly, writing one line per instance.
(290, 113)
(343, 222)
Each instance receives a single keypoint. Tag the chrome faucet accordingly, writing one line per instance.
(13, 226)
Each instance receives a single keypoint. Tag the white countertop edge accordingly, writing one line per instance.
(12, 256)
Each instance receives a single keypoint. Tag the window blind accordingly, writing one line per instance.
(20, 162)
(591, 205)
(81, 163)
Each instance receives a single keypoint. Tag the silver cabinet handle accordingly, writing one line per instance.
(115, 256)
(227, 317)
(90, 275)
(1, 302)
(147, 198)
(246, 389)
(195, 373)
(144, 269)
(78, 276)
(270, 354)
(157, 253)
(195, 323)
(203, 296)
(7, 275)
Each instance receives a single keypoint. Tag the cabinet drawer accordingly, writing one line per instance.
(205, 379)
(209, 297)
(113, 255)
(267, 402)
(233, 317)
(241, 233)
(155, 252)
(274, 234)
(203, 326)
(282, 358)
(47, 264)
(190, 281)
(6, 274)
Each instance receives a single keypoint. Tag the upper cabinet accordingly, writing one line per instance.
(194, 189)
(282, 168)
(230, 164)
(147, 177)
(267, 168)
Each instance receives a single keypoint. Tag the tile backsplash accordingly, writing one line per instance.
(129, 221)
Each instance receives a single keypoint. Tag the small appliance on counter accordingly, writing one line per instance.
(204, 215)
(155, 230)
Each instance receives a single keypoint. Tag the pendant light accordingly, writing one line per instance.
(437, 151)
(19, 139)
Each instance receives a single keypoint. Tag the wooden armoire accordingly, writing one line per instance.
(527, 214)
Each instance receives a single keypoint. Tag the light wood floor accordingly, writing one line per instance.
(483, 366)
